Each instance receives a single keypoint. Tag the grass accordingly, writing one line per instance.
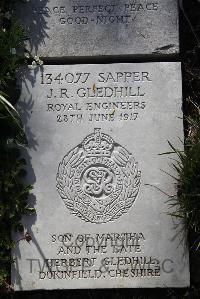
(188, 179)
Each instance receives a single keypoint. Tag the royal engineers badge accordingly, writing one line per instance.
(98, 180)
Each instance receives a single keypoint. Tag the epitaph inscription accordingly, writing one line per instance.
(101, 28)
(98, 180)
(96, 137)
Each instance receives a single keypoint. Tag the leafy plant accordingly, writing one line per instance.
(188, 179)
(13, 193)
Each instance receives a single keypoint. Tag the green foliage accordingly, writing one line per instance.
(12, 36)
(12, 131)
(13, 193)
(188, 181)
(10, 41)
(13, 205)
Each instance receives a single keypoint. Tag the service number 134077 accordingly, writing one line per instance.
(64, 78)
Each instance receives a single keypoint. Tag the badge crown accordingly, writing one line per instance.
(98, 144)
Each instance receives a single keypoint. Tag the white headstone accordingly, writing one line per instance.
(95, 135)
(101, 28)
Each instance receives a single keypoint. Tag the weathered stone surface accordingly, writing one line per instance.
(101, 28)
(95, 135)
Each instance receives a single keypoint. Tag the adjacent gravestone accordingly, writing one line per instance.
(101, 28)
(96, 133)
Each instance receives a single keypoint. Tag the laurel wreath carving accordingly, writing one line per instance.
(133, 177)
(65, 174)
